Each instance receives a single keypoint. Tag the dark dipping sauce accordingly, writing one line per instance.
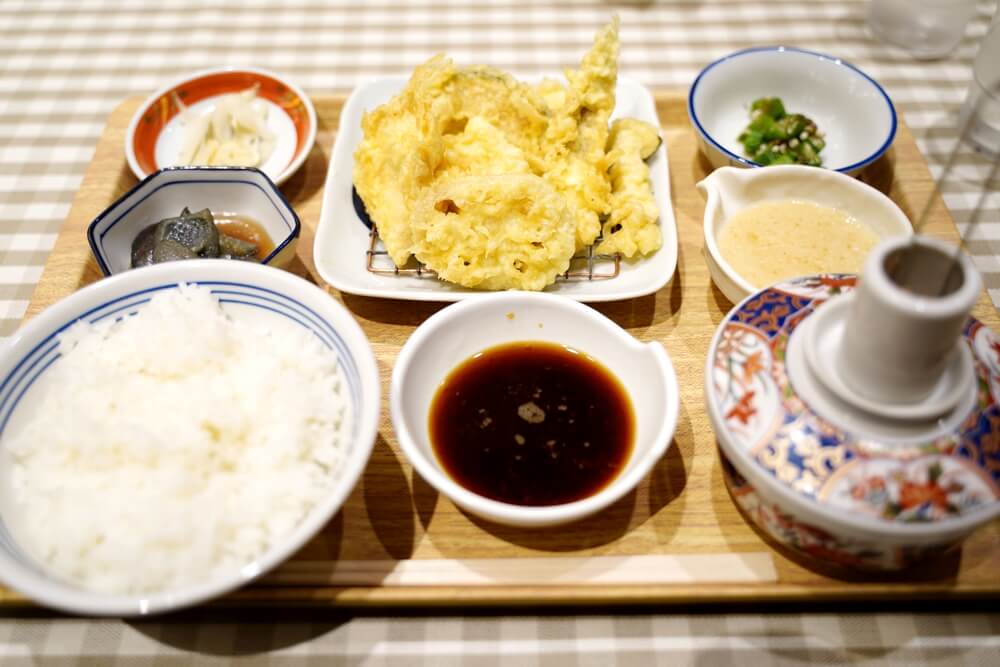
(532, 423)
(245, 229)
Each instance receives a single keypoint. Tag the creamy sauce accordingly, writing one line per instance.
(777, 240)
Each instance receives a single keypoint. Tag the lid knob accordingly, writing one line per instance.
(906, 317)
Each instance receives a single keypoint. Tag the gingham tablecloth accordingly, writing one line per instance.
(65, 64)
(731, 640)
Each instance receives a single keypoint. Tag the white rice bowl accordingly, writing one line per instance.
(177, 453)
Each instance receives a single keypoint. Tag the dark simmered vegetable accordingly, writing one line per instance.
(169, 250)
(195, 231)
(775, 136)
(188, 236)
(142, 247)
(234, 248)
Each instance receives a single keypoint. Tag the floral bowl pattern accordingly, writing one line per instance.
(817, 543)
(859, 500)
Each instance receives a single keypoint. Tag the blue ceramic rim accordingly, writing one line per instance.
(822, 56)
(24, 374)
(98, 250)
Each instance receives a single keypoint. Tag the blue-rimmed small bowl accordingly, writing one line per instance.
(850, 107)
(246, 291)
(243, 191)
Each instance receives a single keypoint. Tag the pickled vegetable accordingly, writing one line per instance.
(234, 133)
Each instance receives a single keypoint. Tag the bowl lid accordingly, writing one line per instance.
(945, 473)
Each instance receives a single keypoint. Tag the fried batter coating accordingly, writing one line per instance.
(464, 152)
(509, 105)
(578, 133)
(406, 140)
(494, 232)
(399, 154)
(481, 148)
(632, 226)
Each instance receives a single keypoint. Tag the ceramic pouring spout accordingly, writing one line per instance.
(720, 187)
(904, 323)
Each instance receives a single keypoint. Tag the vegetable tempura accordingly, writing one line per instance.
(494, 183)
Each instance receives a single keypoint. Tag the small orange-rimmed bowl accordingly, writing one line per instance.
(155, 134)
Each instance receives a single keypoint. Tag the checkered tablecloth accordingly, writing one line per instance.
(722, 640)
(65, 64)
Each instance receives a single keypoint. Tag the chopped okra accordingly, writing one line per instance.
(775, 136)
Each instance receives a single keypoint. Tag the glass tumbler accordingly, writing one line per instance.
(980, 115)
(927, 29)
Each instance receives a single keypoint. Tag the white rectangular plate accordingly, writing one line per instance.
(342, 239)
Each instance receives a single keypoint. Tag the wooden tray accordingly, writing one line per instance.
(678, 538)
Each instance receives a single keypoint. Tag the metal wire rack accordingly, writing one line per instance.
(585, 265)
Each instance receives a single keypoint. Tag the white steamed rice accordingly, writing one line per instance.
(176, 445)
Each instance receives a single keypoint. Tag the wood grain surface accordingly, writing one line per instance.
(398, 542)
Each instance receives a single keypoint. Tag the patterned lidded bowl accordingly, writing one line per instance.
(881, 502)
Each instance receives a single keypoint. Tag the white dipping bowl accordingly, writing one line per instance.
(163, 194)
(729, 190)
(850, 107)
(248, 292)
(457, 332)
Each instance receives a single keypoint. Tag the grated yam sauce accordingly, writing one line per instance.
(776, 240)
